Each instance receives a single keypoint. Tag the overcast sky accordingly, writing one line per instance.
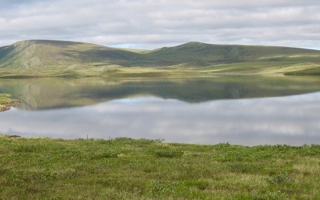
(150, 24)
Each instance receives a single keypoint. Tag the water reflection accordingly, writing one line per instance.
(55, 93)
(290, 120)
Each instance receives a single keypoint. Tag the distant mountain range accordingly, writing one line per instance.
(35, 54)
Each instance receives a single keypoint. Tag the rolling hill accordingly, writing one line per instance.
(41, 53)
(70, 57)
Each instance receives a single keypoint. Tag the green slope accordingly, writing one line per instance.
(209, 58)
(42, 53)
(200, 54)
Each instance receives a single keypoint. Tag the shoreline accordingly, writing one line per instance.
(7, 107)
(7, 103)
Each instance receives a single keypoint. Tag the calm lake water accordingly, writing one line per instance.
(240, 110)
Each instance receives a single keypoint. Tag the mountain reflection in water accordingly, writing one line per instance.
(53, 93)
(292, 120)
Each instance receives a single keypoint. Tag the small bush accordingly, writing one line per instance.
(201, 185)
(244, 167)
(106, 154)
(271, 195)
(167, 153)
(27, 148)
(279, 178)
(168, 189)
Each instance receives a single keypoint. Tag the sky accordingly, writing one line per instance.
(150, 24)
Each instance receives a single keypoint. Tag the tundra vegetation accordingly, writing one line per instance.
(124, 168)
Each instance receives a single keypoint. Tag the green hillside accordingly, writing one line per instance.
(63, 58)
(38, 53)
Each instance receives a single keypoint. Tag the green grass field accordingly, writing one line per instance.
(123, 168)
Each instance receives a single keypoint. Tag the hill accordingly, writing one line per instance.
(44, 53)
(208, 58)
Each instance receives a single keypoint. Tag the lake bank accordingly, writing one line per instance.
(174, 71)
(6, 102)
(124, 168)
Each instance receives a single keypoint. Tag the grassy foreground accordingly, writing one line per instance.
(123, 168)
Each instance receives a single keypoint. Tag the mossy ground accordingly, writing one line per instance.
(123, 168)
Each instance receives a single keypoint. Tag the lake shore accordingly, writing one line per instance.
(8, 106)
(123, 168)
(6, 102)
(119, 72)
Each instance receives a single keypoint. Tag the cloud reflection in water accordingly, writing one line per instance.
(290, 120)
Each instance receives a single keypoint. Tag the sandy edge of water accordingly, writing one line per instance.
(9, 105)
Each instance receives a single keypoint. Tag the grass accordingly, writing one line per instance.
(124, 168)
(306, 72)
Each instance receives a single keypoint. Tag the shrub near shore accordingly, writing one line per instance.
(123, 168)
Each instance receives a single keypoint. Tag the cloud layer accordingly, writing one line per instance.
(151, 24)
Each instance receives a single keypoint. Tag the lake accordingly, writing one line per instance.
(245, 110)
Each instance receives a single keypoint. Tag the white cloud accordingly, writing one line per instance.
(151, 24)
